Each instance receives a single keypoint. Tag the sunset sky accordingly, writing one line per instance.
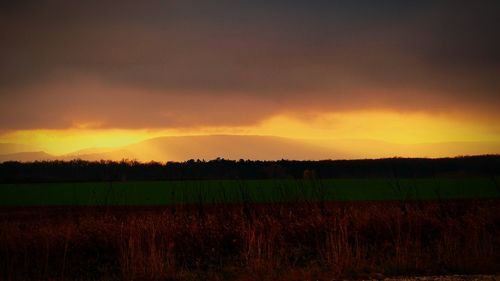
(87, 74)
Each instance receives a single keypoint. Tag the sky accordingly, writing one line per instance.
(80, 74)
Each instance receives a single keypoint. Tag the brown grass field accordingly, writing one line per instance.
(299, 241)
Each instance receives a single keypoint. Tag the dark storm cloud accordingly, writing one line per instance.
(274, 55)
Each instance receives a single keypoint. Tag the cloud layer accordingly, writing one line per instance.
(169, 64)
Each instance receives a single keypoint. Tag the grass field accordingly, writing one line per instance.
(280, 229)
(238, 191)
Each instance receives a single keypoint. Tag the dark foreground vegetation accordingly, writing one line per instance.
(299, 241)
(288, 236)
(79, 170)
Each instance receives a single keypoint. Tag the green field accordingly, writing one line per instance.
(235, 191)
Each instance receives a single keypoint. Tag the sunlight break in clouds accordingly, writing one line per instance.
(390, 127)
(87, 74)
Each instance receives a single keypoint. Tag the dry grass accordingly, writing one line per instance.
(297, 241)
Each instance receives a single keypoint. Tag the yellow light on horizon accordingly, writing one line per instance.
(387, 126)
(402, 128)
(71, 140)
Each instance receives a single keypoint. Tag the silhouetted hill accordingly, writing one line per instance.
(210, 147)
(236, 147)
(27, 156)
(182, 148)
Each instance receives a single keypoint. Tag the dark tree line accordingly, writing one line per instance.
(79, 170)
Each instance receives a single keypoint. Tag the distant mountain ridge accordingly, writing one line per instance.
(27, 156)
(182, 148)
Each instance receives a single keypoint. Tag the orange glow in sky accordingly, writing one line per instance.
(386, 126)
(411, 78)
